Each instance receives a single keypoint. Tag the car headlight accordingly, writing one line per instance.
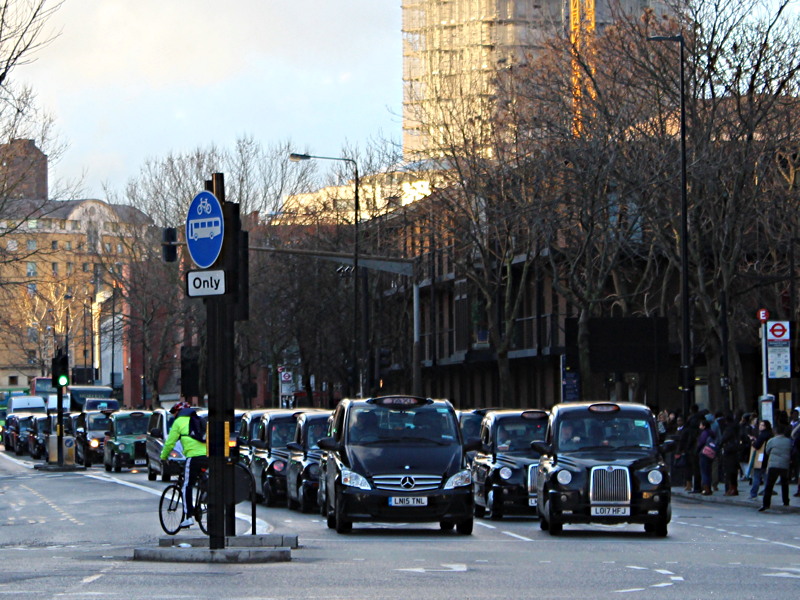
(313, 470)
(175, 454)
(121, 447)
(353, 479)
(655, 477)
(93, 443)
(564, 477)
(278, 466)
(460, 479)
(506, 472)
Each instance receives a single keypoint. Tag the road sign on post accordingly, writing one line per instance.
(205, 229)
(779, 363)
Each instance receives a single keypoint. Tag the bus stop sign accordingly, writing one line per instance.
(205, 229)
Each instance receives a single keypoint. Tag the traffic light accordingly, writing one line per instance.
(59, 372)
(169, 248)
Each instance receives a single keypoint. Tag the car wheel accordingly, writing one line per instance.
(479, 510)
(306, 504)
(554, 526)
(268, 494)
(342, 524)
(465, 527)
(151, 474)
(330, 518)
(106, 465)
(446, 525)
(18, 450)
(661, 529)
(494, 505)
(87, 459)
(116, 460)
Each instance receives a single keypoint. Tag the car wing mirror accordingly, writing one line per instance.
(667, 446)
(259, 444)
(472, 444)
(541, 447)
(156, 433)
(328, 443)
(294, 446)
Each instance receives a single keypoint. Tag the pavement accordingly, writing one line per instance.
(743, 499)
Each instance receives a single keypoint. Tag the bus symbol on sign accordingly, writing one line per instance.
(205, 228)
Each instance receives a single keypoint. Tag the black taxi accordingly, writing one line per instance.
(302, 472)
(504, 469)
(601, 463)
(396, 459)
(270, 456)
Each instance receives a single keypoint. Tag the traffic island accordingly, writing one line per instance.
(238, 549)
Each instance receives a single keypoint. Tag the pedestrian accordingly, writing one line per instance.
(706, 452)
(687, 446)
(778, 450)
(796, 446)
(729, 444)
(758, 445)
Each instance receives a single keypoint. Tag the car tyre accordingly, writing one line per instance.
(107, 466)
(446, 525)
(306, 504)
(151, 474)
(342, 524)
(465, 527)
(661, 529)
(480, 511)
(495, 512)
(87, 459)
(268, 494)
(116, 460)
(330, 518)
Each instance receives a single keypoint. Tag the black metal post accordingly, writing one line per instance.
(686, 367)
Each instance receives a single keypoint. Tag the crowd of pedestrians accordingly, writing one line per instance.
(722, 448)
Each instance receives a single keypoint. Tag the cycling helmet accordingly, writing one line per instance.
(178, 407)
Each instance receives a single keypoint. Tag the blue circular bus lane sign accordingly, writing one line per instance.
(205, 229)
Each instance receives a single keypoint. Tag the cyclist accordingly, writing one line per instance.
(194, 451)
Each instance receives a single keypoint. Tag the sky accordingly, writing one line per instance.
(129, 80)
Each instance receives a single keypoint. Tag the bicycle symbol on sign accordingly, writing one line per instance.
(204, 206)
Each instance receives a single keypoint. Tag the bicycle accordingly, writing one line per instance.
(171, 511)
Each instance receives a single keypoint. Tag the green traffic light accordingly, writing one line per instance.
(63, 380)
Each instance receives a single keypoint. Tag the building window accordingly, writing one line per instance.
(68, 245)
(119, 248)
(13, 380)
(55, 269)
(33, 224)
(70, 268)
(31, 289)
(31, 357)
(12, 245)
(75, 225)
(30, 271)
(107, 247)
(31, 244)
(87, 268)
(54, 245)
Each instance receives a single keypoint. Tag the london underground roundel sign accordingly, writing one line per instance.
(205, 229)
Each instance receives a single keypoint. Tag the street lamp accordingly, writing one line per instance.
(294, 157)
(687, 375)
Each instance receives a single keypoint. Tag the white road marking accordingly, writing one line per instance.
(519, 537)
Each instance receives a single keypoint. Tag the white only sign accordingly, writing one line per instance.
(205, 283)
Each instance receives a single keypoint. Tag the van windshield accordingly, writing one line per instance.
(423, 425)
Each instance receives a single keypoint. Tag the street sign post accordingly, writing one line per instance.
(205, 229)
(779, 363)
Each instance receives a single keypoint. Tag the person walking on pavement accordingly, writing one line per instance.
(194, 451)
(687, 445)
(759, 443)
(778, 451)
(729, 443)
(705, 458)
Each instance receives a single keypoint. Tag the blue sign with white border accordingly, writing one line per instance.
(205, 229)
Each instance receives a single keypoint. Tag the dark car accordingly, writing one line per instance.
(125, 441)
(270, 455)
(38, 432)
(247, 428)
(469, 421)
(396, 458)
(601, 463)
(16, 434)
(90, 430)
(157, 432)
(504, 469)
(302, 472)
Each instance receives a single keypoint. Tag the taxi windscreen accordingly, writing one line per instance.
(420, 424)
(616, 430)
(516, 434)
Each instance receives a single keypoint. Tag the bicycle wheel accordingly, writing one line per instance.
(201, 509)
(170, 509)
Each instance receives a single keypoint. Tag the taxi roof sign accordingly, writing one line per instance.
(400, 401)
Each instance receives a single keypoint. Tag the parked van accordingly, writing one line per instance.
(31, 404)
